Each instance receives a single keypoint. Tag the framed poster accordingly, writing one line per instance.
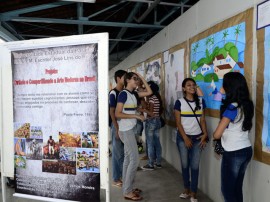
(56, 93)
(262, 111)
(223, 48)
(174, 76)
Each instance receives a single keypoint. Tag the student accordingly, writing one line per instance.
(126, 113)
(152, 126)
(117, 145)
(191, 136)
(236, 112)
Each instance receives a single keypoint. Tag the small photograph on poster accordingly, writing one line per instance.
(22, 130)
(51, 148)
(90, 140)
(36, 132)
(19, 146)
(34, 149)
(19, 161)
(67, 167)
(67, 153)
(69, 139)
(50, 166)
(87, 160)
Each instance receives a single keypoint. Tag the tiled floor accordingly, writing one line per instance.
(160, 185)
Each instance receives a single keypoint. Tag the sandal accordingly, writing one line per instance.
(134, 197)
(117, 184)
(137, 191)
(184, 195)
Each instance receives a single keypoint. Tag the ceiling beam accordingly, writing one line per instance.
(160, 3)
(36, 8)
(79, 22)
(6, 35)
(146, 13)
(106, 9)
(79, 16)
(124, 29)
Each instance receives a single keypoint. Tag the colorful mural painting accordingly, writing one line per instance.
(266, 93)
(214, 56)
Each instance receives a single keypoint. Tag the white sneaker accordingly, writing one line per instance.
(193, 199)
(184, 196)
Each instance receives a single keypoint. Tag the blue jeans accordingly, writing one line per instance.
(152, 127)
(117, 156)
(190, 160)
(233, 168)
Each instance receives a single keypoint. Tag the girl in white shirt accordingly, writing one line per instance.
(237, 112)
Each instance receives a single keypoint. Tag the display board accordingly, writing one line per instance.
(262, 140)
(226, 47)
(174, 76)
(56, 117)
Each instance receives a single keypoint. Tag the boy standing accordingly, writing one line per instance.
(117, 145)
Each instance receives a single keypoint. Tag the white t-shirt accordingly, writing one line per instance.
(130, 105)
(234, 138)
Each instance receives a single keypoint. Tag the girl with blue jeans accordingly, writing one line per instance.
(152, 127)
(236, 111)
(191, 137)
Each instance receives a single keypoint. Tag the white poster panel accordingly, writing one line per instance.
(56, 147)
(174, 76)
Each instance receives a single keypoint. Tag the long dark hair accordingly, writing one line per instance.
(236, 89)
(155, 89)
(195, 95)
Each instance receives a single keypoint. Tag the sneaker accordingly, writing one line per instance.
(184, 196)
(148, 167)
(158, 166)
(192, 199)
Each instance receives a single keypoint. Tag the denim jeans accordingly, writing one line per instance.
(233, 169)
(190, 160)
(152, 127)
(131, 161)
(117, 156)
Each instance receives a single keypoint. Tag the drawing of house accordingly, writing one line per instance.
(205, 68)
(223, 65)
(220, 70)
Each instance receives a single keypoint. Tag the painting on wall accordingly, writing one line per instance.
(262, 123)
(217, 51)
(174, 76)
(140, 69)
(214, 56)
(153, 69)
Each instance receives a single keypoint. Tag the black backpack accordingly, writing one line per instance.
(117, 93)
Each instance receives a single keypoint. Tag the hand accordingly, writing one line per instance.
(188, 142)
(139, 109)
(140, 117)
(203, 141)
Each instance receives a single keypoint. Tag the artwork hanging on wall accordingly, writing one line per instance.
(140, 69)
(226, 47)
(262, 140)
(174, 76)
(153, 69)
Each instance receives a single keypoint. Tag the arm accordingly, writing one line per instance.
(224, 122)
(204, 137)
(120, 115)
(180, 128)
(147, 91)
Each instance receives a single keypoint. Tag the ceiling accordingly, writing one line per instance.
(130, 23)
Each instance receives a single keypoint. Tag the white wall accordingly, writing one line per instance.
(200, 17)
